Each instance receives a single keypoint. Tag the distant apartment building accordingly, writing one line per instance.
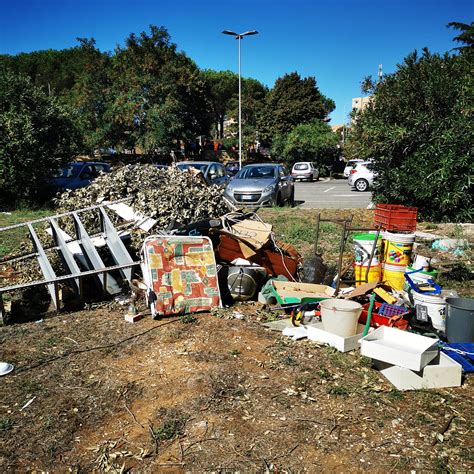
(360, 103)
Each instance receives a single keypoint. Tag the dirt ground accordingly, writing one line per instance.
(212, 394)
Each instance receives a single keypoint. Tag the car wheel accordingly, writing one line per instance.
(361, 185)
(317, 177)
(291, 201)
(278, 200)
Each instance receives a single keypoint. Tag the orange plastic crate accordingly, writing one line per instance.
(395, 217)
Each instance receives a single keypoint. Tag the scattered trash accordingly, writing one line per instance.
(133, 318)
(318, 333)
(202, 256)
(295, 333)
(295, 293)
(5, 368)
(460, 319)
(238, 315)
(278, 325)
(28, 403)
(340, 317)
(181, 275)
(455, 246)
(401, 348)
(440, 372)
(463, 353)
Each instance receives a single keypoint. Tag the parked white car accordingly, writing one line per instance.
(350, 165)
(305, 170)
(362, 176)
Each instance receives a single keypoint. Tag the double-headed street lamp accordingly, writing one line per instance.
(239, 36)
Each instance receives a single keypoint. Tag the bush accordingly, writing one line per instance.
(37, 136)
(418, 128)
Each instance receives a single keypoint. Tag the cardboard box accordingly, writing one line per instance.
(441, 372)
(288, 292)
(400, 348)
(317, 333)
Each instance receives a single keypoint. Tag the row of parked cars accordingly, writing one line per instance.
(255, 185)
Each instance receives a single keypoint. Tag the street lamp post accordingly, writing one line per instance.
(238, 37)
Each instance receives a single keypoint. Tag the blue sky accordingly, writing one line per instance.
(339, 41)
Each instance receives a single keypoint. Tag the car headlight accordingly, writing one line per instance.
(269, 189)
(229, 188)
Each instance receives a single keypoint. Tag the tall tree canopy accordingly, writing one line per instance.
(223, 89)
(291, 102)
(158, 94)
(466, 35)
(419, 130)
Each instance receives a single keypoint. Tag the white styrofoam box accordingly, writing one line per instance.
(398, 347)
(317, 333)
(441, 372)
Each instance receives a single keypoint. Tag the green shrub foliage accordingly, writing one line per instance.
(37, 135)
(419, 130)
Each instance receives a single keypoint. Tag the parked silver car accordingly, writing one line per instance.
(261, 185)
(213, 172)
(305, 170)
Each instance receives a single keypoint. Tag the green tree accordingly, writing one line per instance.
(466, 35)
(419, 130)
(92, 96)
(222, 89)
(291, 102)
(313, 141)
(158, 94)
(37, 136)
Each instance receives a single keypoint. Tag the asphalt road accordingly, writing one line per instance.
(331, 194)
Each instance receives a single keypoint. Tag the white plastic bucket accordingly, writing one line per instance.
(421, 262)
(363, 245)
(340, 317)
(398, 248)
(431, 307)
(420, 277)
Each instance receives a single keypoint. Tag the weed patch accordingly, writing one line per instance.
(171, 426)
(188, 319)
(338, 391)
(6, 423)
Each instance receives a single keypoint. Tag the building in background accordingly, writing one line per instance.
(360, 103)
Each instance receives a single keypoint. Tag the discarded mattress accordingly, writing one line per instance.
(181, 275)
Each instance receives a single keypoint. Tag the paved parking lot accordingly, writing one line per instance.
(331, 194)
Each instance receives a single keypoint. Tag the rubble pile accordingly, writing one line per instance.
(163, 194)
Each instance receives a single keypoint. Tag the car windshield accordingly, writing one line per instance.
(199, 166)
(301, 166)
(69, 171)
(256, 172)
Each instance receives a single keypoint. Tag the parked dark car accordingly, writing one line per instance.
(232, 168)
(214, 173)
(261, 185)
(78, 174)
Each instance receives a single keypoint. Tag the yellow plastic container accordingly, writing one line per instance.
(394, 276)
(360, 272)
(398, 248)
